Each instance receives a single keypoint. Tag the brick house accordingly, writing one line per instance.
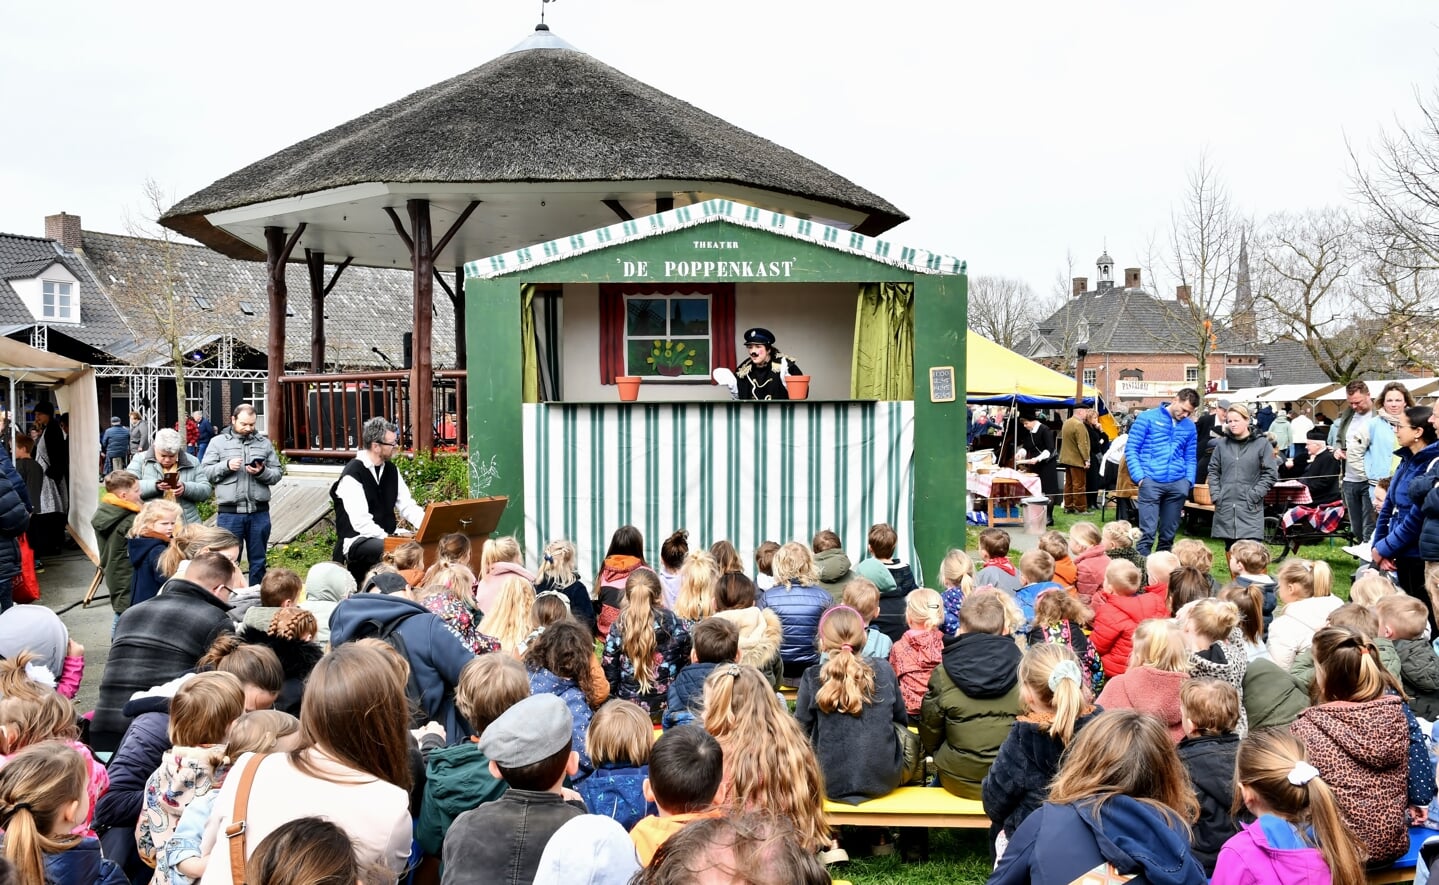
(68, 292)
(1135, 343)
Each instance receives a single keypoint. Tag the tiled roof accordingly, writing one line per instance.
(368, 307)
(25, 270)
(1289, 362)
(1123, 320)
(100, 324)
(1240, 377)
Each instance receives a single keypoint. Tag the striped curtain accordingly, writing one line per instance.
(746, 472)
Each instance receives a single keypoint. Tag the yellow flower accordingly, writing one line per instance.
(649, 359)
(679, 346)
(689, 362)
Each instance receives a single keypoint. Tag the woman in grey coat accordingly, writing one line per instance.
(168, 455)
(1241, 472)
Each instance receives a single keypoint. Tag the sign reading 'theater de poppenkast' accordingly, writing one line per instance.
(708, 268)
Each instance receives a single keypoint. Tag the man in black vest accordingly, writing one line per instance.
(366, 496)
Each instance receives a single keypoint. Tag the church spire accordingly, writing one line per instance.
(1243, 318)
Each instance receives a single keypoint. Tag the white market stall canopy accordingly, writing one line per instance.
(1418, 387)
(1288, 393)
(75, 395)
(1242, 395)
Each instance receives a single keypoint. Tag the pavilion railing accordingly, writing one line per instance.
(323, 414)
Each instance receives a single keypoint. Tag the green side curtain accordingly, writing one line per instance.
(883, 343)
(530, 357)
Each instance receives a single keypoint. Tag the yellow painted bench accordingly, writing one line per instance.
(910, 807)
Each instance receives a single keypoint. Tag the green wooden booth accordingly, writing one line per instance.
(886, 447)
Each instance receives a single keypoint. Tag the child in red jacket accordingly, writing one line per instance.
(1118, 610)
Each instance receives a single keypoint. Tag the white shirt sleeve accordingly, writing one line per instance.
(405, 503)
(352, 495)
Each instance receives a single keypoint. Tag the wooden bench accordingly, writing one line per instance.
(910, 807)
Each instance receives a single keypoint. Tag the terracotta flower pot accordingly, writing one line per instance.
(629, 387)
(798, 386)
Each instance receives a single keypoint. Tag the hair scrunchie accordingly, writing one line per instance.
(1302, 773)
(1062, 671)
(14, 809)
(562, 597)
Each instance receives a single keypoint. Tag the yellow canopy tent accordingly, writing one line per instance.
(998, 376)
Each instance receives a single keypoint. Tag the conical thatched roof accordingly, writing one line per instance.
(534, 115)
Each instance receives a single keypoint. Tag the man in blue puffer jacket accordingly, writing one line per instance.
(1160, 455)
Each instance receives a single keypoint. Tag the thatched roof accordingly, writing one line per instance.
(535, 115)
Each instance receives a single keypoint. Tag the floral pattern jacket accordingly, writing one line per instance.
(463, 621)
(672, 653)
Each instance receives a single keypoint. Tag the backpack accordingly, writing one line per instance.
(388, 633)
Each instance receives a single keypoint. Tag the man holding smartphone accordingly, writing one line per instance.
(242, 465)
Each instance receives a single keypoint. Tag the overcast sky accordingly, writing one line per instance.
(1011, 133)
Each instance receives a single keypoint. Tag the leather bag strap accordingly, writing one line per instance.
(235, 832)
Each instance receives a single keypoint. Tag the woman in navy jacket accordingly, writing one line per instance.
(1401, 520)
(1121, 799)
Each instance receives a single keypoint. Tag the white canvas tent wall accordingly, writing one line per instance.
(74, 395)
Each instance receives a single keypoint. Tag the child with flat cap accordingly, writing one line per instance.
(501, 842)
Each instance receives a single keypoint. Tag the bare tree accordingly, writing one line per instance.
(153, 297)
(1002, 309)
(1201, 252)
(1402, 191)
(1309, 282)
(1061, 330)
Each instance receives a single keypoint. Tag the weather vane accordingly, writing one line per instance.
(542, 9)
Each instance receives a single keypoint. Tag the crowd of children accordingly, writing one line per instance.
(1105, 708)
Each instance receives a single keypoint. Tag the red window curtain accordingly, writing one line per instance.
(612, 322)
(612, 332)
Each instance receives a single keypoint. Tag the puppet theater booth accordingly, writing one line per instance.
(879, 327)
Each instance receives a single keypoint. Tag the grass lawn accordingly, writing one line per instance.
(956, 857)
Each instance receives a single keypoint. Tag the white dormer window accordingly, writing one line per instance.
(57, 300)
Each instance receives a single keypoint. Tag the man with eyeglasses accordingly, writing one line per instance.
(1161, 458)
(368, 493)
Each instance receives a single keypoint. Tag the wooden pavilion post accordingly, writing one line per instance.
(458, 300)
(277, 253)
(422, 263)
(422, 365)
(315, 262)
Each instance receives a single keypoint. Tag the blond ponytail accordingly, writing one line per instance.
(1052, 674)
(846, 679)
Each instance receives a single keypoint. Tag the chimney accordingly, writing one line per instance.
(1080, 285)
(1181, 294)
(64, 229)
(1131, 278)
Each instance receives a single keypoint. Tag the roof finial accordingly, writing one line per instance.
(542, 13)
